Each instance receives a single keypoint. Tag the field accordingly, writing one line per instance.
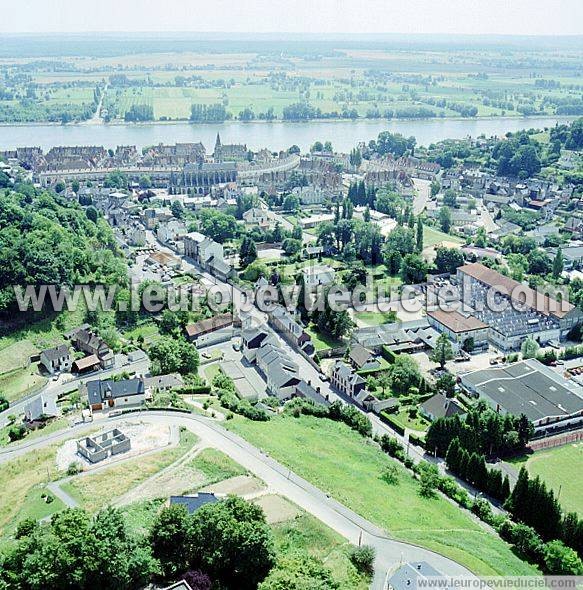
(562, 469)
(432, 236)
(333, 79)
(342, 464)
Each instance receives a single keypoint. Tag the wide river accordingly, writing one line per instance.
(344, 135)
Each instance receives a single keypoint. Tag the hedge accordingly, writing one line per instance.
(392, 423)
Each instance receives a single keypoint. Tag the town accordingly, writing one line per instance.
(236, 368)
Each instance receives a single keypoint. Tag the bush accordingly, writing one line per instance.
(391, 475)
(74, 468)
(16, 432)
(4, 404)
(363, 559)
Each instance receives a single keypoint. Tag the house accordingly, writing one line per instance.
(39, 408)
(363, 359)
(220, 269)
(284, 323)
(572, 257)
(251, 340)
(311, 195)
(194, 502)
(257, 217)
(86, 341)
(168, 232)
(211, 330)
(459, 328)
(574, 225)
(440, 406)
(180, 585)
(343, 377)
(318, 275)
(56, 360)
(160, 383)
(313, 252)
(279, 371)
(107, 393)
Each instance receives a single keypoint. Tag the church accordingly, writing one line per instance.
(234, 152)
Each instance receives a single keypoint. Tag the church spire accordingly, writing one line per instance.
(218, 141)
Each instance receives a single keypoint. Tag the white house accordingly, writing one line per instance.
(57, 359)
(318, 275)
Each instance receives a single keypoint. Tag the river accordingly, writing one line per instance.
(344, 135)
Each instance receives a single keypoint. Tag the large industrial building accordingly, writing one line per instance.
(528, 387)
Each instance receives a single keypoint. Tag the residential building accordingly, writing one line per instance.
(311, 195)
(162, 383)
(363, 359)
(57, 359)
(279, 371)
(211, 330)
(440, 406)
(291, 329)
(102, 394)
(318, 275)
(416, 575)
(41, 407)
(85, 340)
(257, 216)
(345, 379)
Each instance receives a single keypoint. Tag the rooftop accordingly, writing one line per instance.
(455, 321)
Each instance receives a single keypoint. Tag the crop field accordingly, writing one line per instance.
(341, 82)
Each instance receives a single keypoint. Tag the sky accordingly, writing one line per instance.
(502, 17)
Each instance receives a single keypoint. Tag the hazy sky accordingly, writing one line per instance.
(521, 17)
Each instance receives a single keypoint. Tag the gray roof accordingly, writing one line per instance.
(57, 352)
(409, 576)
(40, 406)
(194, 502)
(172, 380)
(529, 388)
(440, 406)
(359, 355)
(98, 391)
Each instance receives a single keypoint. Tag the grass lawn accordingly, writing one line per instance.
(97, 490)
(21, 480)
(432, 236)
(417, 423)
(306, 534)
(561, 467)
(148, 330)
(210, 371)
(375, 318)
(20, 382)
(322, 341)
(216, 466)
(341, 463)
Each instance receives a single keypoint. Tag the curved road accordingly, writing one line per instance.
(389, 553)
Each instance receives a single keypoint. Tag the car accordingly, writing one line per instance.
(236, 346)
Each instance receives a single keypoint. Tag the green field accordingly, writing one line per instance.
(374, 318)
(340, 462)
(432, 236)
(562, 469)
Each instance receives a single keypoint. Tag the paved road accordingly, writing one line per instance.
(344, 521)
(53, 389)
(423, 191)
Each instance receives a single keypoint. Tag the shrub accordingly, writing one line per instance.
(74, 468)
(391, 475)
(363, 559)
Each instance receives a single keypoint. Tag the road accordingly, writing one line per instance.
(422, 194)
(281, 480)
(54, 389)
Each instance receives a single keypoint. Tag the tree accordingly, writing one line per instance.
(218, 225)
(413, 269)
(291, 246)
(442, 352)
(247, 251)
(197, 580)
(171, 355)
(538, 262)
(529, 348)
(232, 542)
(446, 384)
(363, 559)
(404, 374)
(419, 238)
(400, 240)
(91, 213)
(145, 182)
(447, 260)
(435, 188)
(177, 209)
(561, 560)
(428, 479)
(4, 403)
(169, 539)
(558, 264)
(445, 219)
(299, 571)
(75, 186)
(335, 323)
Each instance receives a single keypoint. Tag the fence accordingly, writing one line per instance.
(556, 441)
